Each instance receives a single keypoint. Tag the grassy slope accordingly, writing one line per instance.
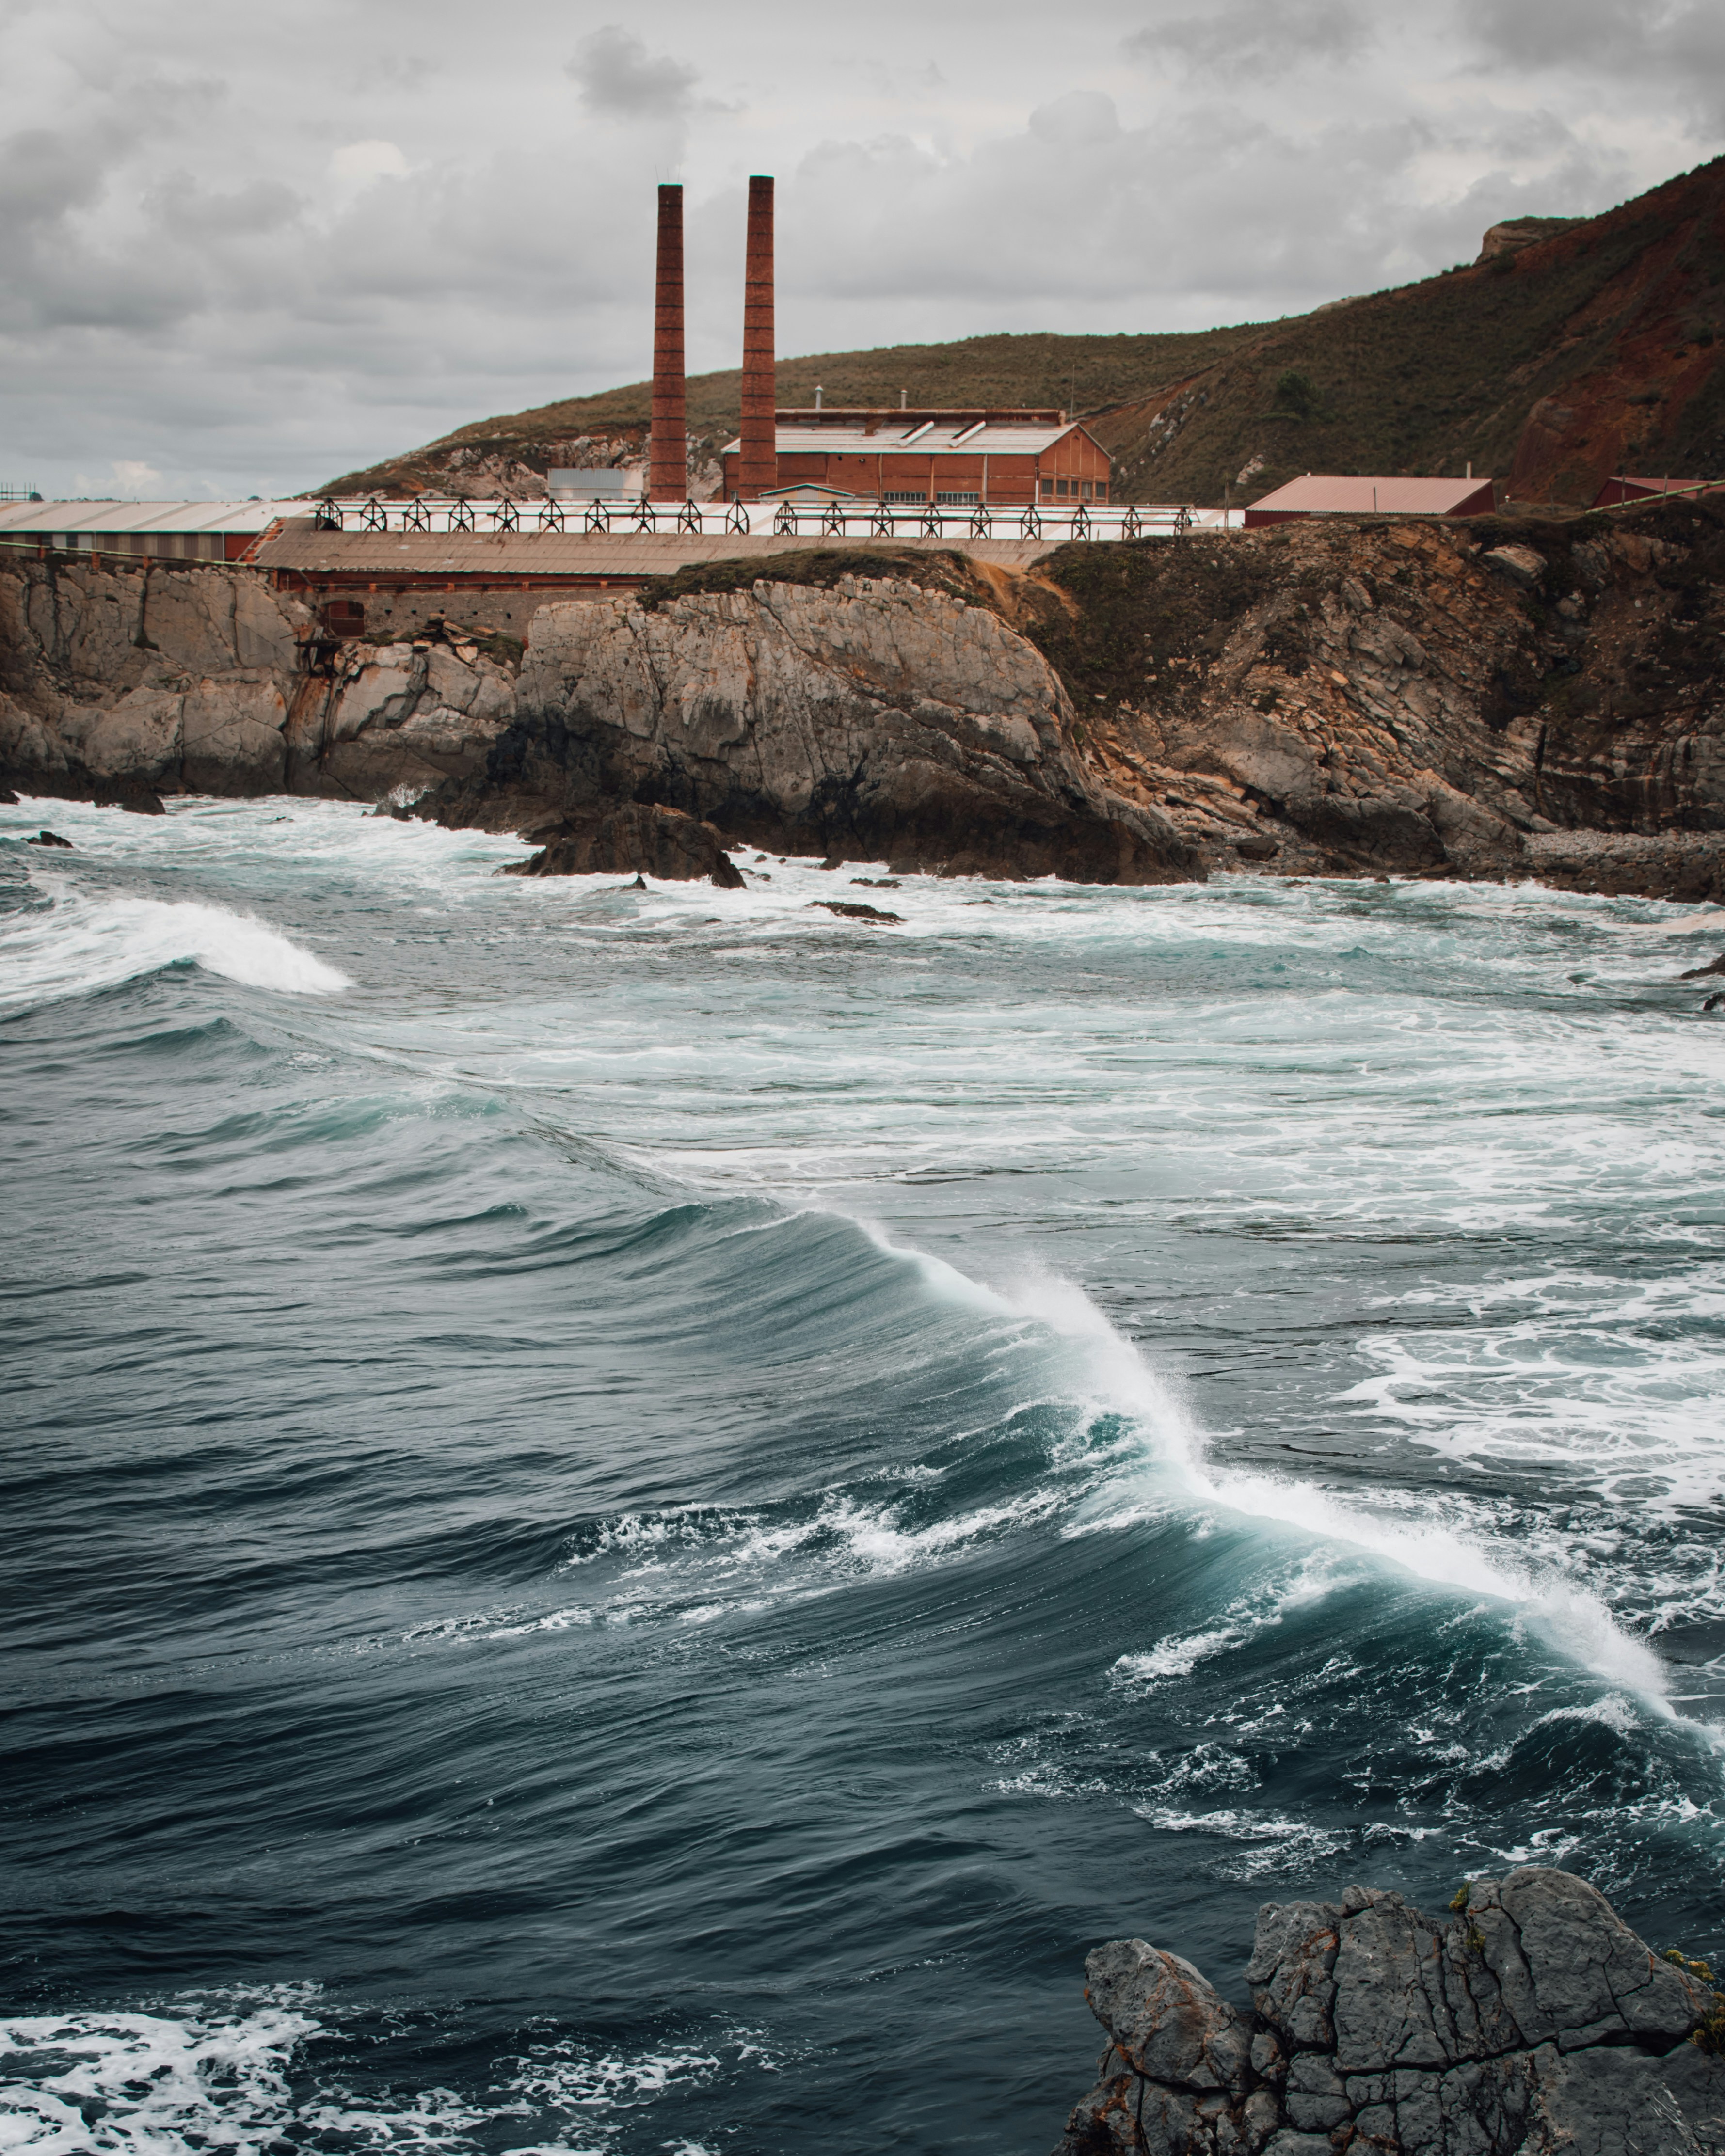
(1041, 369)
(1614, 327)
(1601, 315)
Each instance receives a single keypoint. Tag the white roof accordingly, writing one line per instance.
(69, 517)
(994, 438)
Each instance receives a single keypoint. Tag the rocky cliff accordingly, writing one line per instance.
(876, 718)
(869, 718)
(132, 681)
(1500, 698)
(1503, 698)
(1531, 2021)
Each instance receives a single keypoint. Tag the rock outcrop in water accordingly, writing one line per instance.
(873, 719)
(661, 842)
(1532, 2022)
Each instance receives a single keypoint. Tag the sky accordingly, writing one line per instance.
(247, 247)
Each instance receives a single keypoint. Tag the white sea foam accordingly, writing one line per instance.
(78, 944)
(154, 2085)
(218, 2075)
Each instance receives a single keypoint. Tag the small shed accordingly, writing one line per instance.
(593, 483)
(1373, 494)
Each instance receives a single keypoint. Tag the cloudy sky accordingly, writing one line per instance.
(245, 246)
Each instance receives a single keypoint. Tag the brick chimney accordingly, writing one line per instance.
(758, 454)
(668, 454)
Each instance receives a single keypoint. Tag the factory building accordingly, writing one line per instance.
(157, 530)
(998, 457)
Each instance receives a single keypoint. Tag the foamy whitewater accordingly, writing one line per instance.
(635, 1517)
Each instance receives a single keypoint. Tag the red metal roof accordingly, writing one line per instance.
(1384, 494)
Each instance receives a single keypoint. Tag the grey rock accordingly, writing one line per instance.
(1165, 2019)
(662, 841)
(1533, 2022)
(1522, 565)
(873, 719)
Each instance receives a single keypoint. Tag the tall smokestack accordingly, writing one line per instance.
(668, 454)
(758, 454)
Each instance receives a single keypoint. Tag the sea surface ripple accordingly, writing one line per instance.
(634, 1516)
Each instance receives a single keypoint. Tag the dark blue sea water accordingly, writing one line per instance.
(631, 1519)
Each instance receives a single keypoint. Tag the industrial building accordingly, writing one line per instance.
(920, 478)
(1372, 493)
(158, 531)
(1000, 457)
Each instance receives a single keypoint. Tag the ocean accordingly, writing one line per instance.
(634, 1515)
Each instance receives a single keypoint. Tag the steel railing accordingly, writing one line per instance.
(1052, 522)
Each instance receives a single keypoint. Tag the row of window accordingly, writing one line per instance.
(1053, 490)
(173, 546)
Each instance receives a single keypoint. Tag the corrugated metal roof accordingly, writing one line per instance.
(302, 547)
(993, 439)
(70, 516)
(1388, 494)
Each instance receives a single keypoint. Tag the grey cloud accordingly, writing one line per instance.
(1248, 38)
(56, 274)
(1078, 121)
(619, 75)
(180, 204)
(44, 175)
(1678, 45)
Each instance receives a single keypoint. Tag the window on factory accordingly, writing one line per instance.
(959, 500)
(890, 498)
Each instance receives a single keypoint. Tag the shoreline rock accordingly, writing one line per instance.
(660, 842)
(1534, 2020)
(872, 719)
(1496, 700)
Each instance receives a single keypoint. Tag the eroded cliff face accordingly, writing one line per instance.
(135, 681)
(1533, 2021)
(873, 719)
(1539, 700)
(1542, 701)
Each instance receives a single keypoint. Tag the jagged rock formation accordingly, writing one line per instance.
(1533, 2021)
(875, 719)
(636, 839)
(131, 683)
(1518, 231)
(135, 679)
(1527, 699)
(1505, 698)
